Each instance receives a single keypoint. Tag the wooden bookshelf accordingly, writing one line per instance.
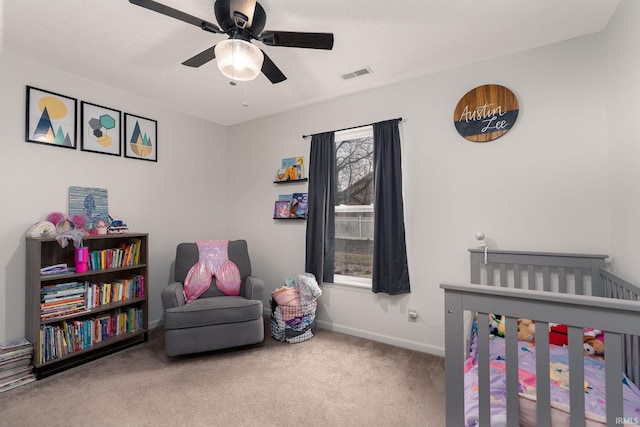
(98, 339)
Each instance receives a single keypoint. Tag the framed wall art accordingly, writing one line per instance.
(100, 129)
(51, 118)
(140, 138)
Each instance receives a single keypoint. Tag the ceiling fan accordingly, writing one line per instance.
(242, 20)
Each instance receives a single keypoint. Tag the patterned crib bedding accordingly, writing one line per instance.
(594, 376)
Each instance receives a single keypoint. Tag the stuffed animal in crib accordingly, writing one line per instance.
(593, 347)
(526, 330)
(558, 334)
(496, 325)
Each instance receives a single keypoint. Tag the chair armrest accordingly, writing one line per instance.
(173, 296)
(253, 288)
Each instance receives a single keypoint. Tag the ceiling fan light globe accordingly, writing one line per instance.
(238, 59)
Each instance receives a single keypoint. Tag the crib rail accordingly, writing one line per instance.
(546, 271)
(618, 318)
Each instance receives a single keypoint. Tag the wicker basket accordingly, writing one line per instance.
(293, 323)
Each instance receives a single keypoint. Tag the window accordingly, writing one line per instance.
(359, 157)
(354, 210)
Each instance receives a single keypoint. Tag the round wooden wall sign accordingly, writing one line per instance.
(486, 113)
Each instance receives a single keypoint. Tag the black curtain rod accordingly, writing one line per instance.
(352, 127)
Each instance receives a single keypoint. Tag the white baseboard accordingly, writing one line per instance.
(398, 342)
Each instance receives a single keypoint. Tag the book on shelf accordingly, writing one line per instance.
(54, 269)
(66, 337)
(62, 299)
(281, 174)
(291, 169)
(118, 290)
(281, 209)
(299, 204)
(292, 161)
(125, 255)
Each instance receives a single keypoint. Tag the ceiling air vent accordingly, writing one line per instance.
(357, 73)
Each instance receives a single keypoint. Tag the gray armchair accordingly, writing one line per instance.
(214, 320)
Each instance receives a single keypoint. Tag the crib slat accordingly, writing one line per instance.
(576, 376)
(579, 282)
(511, 355)
(562, 280)
(546, 278)
(635, 360)
(454, 331)
(484, 392)
(597, 282)
(490, 274)
(531, 277)
(517, 283)
(543, 391)
(613, 375)
(503, 275)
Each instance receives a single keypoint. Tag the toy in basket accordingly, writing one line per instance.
(293, 309)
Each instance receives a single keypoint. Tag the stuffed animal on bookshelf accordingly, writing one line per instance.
(526, 330)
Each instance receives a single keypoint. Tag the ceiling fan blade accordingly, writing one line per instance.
(201, 58)
(294, 39)
(177, 14)
(242, 12)
(271, 70)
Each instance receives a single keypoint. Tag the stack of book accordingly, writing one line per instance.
(16, 368)
(62, 299)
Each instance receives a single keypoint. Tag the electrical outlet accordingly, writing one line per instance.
(413, 315)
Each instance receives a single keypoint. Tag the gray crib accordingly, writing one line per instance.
(570, 289)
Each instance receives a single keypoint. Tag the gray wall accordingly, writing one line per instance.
(543, 186)
(623, 83)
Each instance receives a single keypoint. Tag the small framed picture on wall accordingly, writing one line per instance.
(51, 118)
(100, 129)
(140, 138)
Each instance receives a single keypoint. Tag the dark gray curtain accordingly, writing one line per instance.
(321, 228)
(390, 267)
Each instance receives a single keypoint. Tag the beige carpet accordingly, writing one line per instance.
(331, 380)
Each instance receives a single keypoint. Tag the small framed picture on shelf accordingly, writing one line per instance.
(101, 129)
(51, 118)
(140, 138)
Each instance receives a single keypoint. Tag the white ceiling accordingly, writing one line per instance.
(124, 46)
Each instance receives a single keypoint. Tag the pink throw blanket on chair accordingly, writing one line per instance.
(213, 262)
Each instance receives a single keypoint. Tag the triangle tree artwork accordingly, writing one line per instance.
(140, 143)
(52, 109)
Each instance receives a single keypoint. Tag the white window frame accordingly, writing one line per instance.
(340, 279)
